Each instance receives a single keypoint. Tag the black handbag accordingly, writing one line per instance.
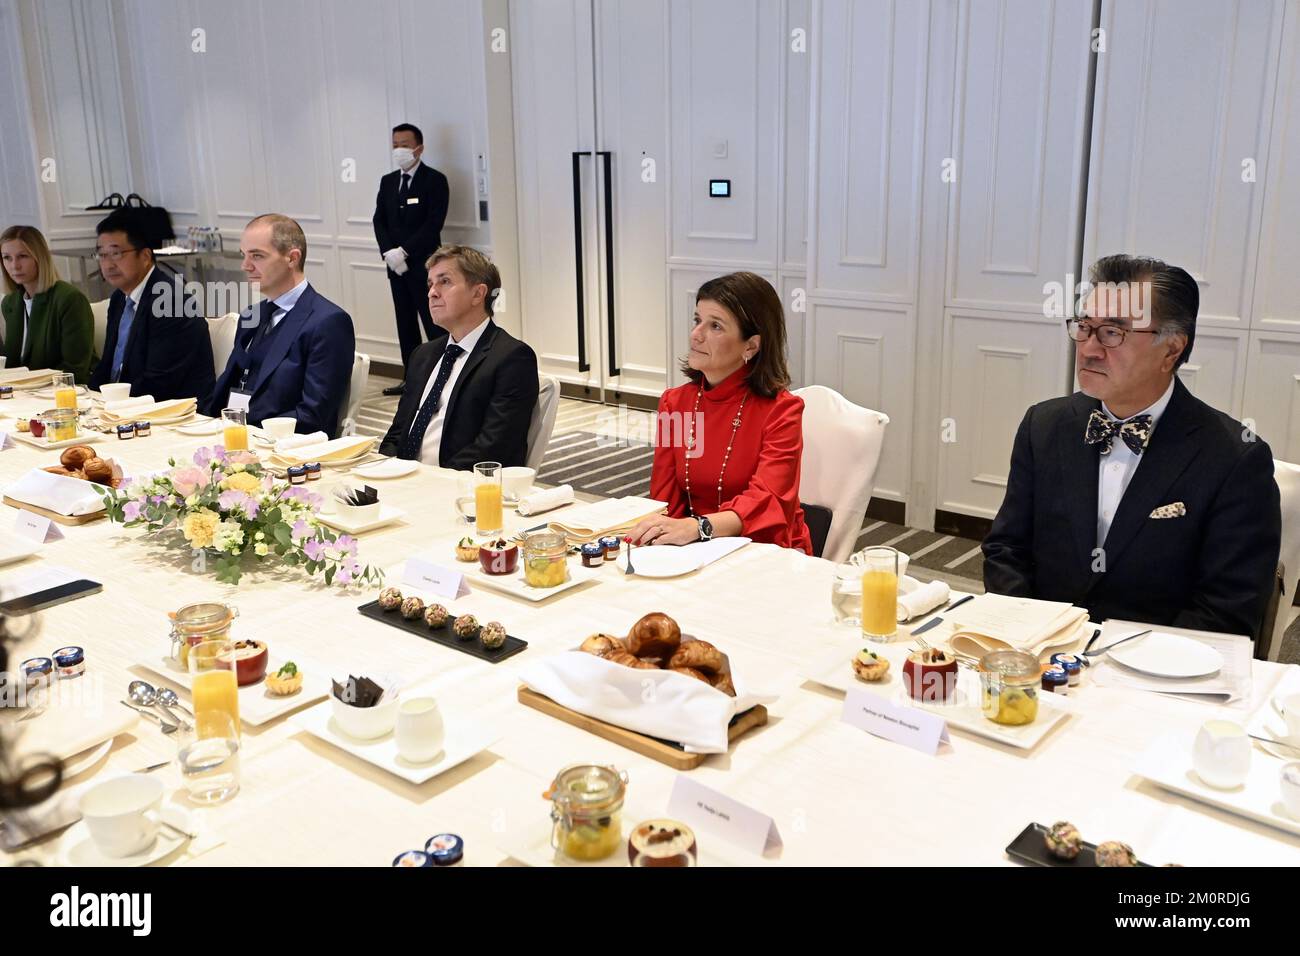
(155, 221)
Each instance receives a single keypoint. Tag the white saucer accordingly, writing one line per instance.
(77, 848)
(14, 548)
(86, 759)
(387, 515)
(388, 468)
(1290, 752)
(212, 426)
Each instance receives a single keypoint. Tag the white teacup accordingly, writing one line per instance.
(1290, 779)
(1288, 708)
(517, 481)
(1221, 755)
(122, 813)
(279, 428)
(420, 731)
(115, 391)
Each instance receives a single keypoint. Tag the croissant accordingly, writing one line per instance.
(76, 456)
(628, 660)
(690, 672)
(700, 655)
(98, 470)
(58, 470)
(602, 645)
(655, 635)
(723, 683)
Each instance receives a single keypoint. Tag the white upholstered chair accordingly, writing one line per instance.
(543, 421)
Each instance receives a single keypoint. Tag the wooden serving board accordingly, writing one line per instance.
(54, 515)
(664, 751)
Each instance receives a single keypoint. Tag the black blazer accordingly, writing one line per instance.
(490, 406)
(169, 351)
(415, 226)
(307, 369)
(1211, 569)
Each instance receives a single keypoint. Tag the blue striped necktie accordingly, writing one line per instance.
(415, 437)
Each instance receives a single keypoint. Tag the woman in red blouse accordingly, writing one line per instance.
(729, 441)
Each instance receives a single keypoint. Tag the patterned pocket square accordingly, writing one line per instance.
(1175, 510)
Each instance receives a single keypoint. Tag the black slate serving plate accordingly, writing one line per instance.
(1029, 848)
(443, 635)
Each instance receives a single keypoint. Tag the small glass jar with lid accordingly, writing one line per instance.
(196, 623)
(545, 554)
(587, 811)
(1009, 686)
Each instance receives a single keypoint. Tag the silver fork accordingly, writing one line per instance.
(166, 726)
(628, 569)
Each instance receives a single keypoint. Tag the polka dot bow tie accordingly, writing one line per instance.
(1102, 430)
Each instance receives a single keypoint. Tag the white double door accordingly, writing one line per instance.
(590, 157)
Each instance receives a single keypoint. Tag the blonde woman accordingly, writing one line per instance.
(47, 322)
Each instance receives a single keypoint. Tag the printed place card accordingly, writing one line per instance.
(36, 528)
(707, 809)
(428, 576)
(909, 726)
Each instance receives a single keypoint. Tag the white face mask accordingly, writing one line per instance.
(404, 158)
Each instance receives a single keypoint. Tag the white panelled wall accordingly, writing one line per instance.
(912, 177)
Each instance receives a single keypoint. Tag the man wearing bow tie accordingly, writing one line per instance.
(1132, 497)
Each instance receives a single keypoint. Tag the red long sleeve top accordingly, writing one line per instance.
(760, 480)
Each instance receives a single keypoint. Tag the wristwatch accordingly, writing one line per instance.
(706, 527)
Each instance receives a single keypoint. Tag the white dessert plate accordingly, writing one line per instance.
(48, 391)
(669, 562)
(533, 846)
(85, 438)
(1168, 763)
(207, 426)
(514, 584)
(14, 548)
(387, 468)
(1168, 655)
(834, 669)
(77, 848)
(466, 738)
(86, 759)
(387, 515)
(257, 705)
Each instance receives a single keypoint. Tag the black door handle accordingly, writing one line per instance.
(583, 364)
(612, 327)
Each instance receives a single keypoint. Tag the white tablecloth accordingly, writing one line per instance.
(837, 795)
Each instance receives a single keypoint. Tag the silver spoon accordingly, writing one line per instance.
(143, 694)
(628, 569)
(166, 727)
(167, 697)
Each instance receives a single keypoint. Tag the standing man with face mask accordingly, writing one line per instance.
(409, 212)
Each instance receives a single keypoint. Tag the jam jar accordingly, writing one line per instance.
(1009, 686)
(545, 554)
(587, 811)
(196, 623)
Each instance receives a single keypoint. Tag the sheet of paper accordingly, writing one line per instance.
(1231, 685)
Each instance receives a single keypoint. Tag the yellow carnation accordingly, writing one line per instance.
(199, 527)
(242, 481)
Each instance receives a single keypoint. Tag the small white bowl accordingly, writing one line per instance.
(368, 723)
(115, 391)
(356, 514)
(279, 428)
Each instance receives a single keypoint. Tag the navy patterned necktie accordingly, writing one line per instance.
(415, 437)
(404, 188)
(1102, 430)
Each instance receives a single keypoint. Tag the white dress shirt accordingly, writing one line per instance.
(429, 448)
(284, 303)
(27, 318)
(1118, 465)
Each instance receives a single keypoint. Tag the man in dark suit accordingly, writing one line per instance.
(293, 352)
(409, 212)
(472, 390)
(1133, 498)
(153, 340)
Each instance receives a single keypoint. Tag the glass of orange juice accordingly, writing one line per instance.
(235, 429)
(214, 688)
(879, 593)
(65, 390)
(488, 518)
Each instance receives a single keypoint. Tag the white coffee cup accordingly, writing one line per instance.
(279, 428)
(420, 731)
(517, 481)
(1290, 779)
(122, 813)
(1288, 708)
(3, 360)
(115, 391)
(1221, 755)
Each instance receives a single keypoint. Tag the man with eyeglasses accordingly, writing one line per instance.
(152, 341)
(1132, 497)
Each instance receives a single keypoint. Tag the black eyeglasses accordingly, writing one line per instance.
(113, 256)
(1110, 336)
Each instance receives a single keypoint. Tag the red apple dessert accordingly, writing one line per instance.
(930, 675)
(498, 557)
(249, 658)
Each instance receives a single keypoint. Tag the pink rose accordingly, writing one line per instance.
(186, 481)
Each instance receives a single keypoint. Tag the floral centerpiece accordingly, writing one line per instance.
(227, 503)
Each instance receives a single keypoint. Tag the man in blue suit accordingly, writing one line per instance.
(293, 352)
(156, 339)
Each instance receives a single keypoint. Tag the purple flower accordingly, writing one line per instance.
(300, 530)
(344, 576)
(233, 499)
(132, 510)
(202, 457)
(157, 499)
(346, 544)
(314, 549)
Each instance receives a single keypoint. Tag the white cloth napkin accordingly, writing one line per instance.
(300, 441)
(540, 501)
(57, 493)
(680, 708)
(126, 404)
(920, 599)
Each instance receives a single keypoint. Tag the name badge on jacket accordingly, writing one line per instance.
(239, 400)
(412, 200)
